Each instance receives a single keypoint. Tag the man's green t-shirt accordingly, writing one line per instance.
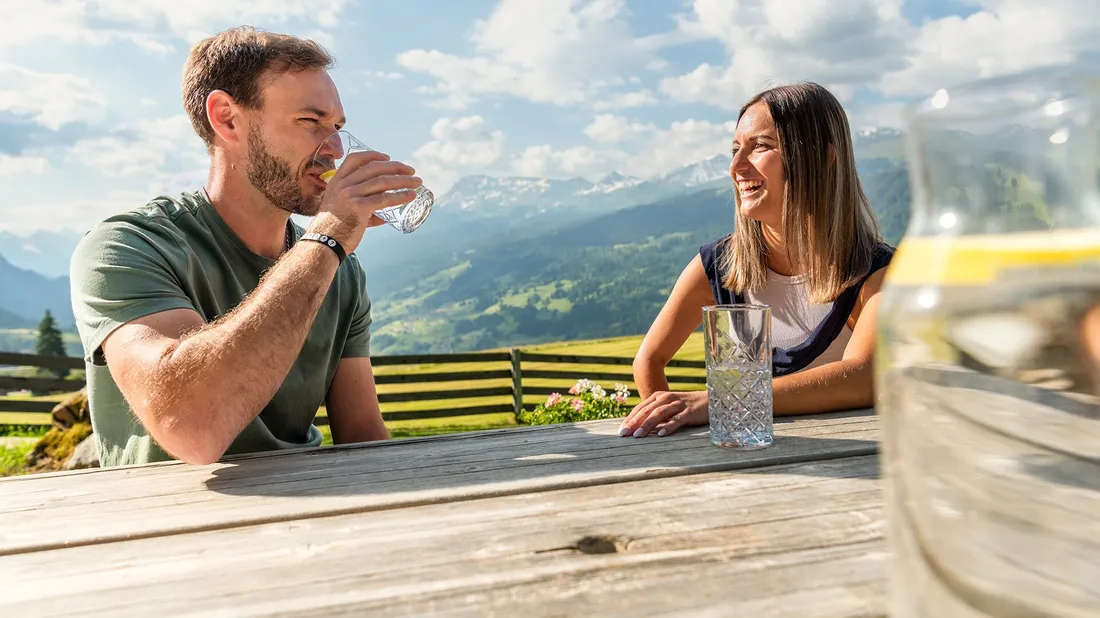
(178, 253)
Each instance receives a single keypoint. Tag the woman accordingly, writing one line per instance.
(805, 242)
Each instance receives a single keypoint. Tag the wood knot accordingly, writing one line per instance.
(601, 544)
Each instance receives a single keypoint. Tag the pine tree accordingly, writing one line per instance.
(49, 342)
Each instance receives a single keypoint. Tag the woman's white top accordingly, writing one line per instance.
(795, 317)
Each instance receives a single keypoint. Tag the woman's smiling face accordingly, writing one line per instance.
(757, 167)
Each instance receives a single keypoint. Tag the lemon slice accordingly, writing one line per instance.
(979, 260)
(327, 175)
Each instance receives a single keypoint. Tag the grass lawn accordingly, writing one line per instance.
(11, 457)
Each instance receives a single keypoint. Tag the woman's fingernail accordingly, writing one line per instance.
(661, 433)
(624, 431)
(639, 433)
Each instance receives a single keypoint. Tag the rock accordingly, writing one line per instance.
(55, 448)
(84, 455)
(71, 411)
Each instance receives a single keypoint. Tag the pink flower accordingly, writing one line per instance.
(573, 389)
(620, 398)
(553, 399)
(578, 404)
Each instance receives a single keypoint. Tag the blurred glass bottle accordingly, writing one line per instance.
(988, 354)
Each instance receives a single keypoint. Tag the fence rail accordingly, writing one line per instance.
(505, 378)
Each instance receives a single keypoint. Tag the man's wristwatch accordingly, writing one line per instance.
(327, 241)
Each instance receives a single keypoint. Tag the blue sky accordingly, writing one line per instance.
(91, 121)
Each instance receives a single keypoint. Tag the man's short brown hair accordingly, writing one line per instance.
(235, 61)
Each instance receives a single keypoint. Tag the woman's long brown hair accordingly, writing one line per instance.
(829, 227)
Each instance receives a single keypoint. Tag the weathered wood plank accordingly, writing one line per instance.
(434, 359)
(602, 360)
(41, 384)
(465, 393)
(19, 405)
(622, 377)
(448, 412)
(441, 376)
(109, 505)
(34, 360)
(799, 540)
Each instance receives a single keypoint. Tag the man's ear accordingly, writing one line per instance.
(223, 115)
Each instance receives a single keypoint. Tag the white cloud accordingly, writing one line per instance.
(562, 52)
(146, 22)
(661, 151)
(1006, 37)
(458, 147)
(841, 44)
(612, 128)
(657, 64)
(198, 18)
(852, 44)
(889, 114)
(154, 148)
(623, 100)
(75, 213)
(22, 165)
(708, 84)
(49, 99)
(577, 161)
(383, 75)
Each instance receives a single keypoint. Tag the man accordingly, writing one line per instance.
(212, 324)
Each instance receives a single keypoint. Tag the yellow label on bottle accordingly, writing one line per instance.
(978, 260)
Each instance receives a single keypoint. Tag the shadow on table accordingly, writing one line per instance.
(527, 459)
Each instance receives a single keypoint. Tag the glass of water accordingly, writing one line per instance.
(737, 343)
(404, 218)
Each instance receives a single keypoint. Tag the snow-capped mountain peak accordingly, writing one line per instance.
(612, 182)
(878, 133)
(488, 195)
(700, 173)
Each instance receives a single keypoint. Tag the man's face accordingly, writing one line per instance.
(299, 111)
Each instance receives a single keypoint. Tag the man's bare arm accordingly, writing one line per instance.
(352, 401)
(195, 387)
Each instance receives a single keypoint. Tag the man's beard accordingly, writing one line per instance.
(272, 177)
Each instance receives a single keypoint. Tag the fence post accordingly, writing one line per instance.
(517, 381)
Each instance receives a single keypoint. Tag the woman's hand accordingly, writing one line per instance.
(666, 412)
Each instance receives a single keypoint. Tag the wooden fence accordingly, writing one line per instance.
(512, 380)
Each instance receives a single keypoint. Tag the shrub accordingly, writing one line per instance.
(589, 401)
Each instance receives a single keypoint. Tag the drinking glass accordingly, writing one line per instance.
(988, 357)
(405, 217)
(737, 344)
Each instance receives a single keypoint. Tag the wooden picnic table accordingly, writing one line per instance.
(562, 520)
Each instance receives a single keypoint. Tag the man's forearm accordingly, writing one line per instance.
(215, 380)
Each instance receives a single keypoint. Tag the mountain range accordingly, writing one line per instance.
(504, 261)
(29, 294)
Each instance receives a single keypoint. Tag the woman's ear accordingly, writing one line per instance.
(832, 154)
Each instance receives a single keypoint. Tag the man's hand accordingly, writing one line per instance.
(366, 183)
(666, 412)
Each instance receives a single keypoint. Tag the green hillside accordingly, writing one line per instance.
(604, 277)
(609, 276)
